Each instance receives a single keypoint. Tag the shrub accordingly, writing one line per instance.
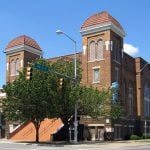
(147, 136)
(134, 137)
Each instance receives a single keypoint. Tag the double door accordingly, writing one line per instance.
(97, 133)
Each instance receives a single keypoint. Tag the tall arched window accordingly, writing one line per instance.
(17, 66)
(146, 100)
(117, 51)
(100, 49)
(124, 94)
(131, 104)
(92, 51)
(12, 67)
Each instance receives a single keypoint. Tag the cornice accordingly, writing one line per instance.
(102, 27)
(23, 48)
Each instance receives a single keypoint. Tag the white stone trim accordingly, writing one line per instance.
(84, 49)
(95, 60)
(7, 66)
(96, 67)
(107, 43)
(95, 125)
(2, 94)
(103, 27)
(21, 63)
(12, 128)
(23, 48)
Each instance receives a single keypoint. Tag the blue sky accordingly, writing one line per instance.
(40, 19)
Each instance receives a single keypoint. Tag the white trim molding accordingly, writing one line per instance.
(23, 48)
(95, 125)
(103, 27)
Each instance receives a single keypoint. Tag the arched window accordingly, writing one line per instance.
(92, 51)
(12, 67)
(17, 66)
(124, 94)
(146, 100)
(100, 49)
(131, 104)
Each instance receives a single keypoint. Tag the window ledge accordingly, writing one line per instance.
(12, 75)
(96, 82)
(90, 61)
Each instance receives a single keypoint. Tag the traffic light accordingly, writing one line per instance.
(61, 82)
(29, 73)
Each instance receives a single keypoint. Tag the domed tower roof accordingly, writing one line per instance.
(103, 21)
(23, 43)
(23, 40)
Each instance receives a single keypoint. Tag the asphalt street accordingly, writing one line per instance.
(4, 145)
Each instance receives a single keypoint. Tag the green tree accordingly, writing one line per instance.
(43, 97)
(117, 109)
(95, 103)
(29, 100)
(64, 104)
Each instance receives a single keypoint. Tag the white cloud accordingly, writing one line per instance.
(130, 49)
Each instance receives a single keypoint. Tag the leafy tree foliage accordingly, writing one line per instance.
(95, 103)
(43, 96)
(29, 100)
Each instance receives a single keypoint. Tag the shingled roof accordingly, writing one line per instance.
(100, 18)
(23, 40)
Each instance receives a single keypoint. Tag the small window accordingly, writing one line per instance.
(96, 75)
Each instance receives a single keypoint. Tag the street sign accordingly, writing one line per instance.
(40, 67)
(115, 85)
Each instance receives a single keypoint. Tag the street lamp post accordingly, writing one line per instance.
(59, 32)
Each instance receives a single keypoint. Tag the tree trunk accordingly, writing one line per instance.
(37, 134)
(37, 124)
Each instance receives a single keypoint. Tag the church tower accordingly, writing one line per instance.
(102, 40)
(19, 52)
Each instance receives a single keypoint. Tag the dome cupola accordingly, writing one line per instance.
(100, 22)
(25, 43)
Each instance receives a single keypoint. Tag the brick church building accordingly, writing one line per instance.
(103, 63)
